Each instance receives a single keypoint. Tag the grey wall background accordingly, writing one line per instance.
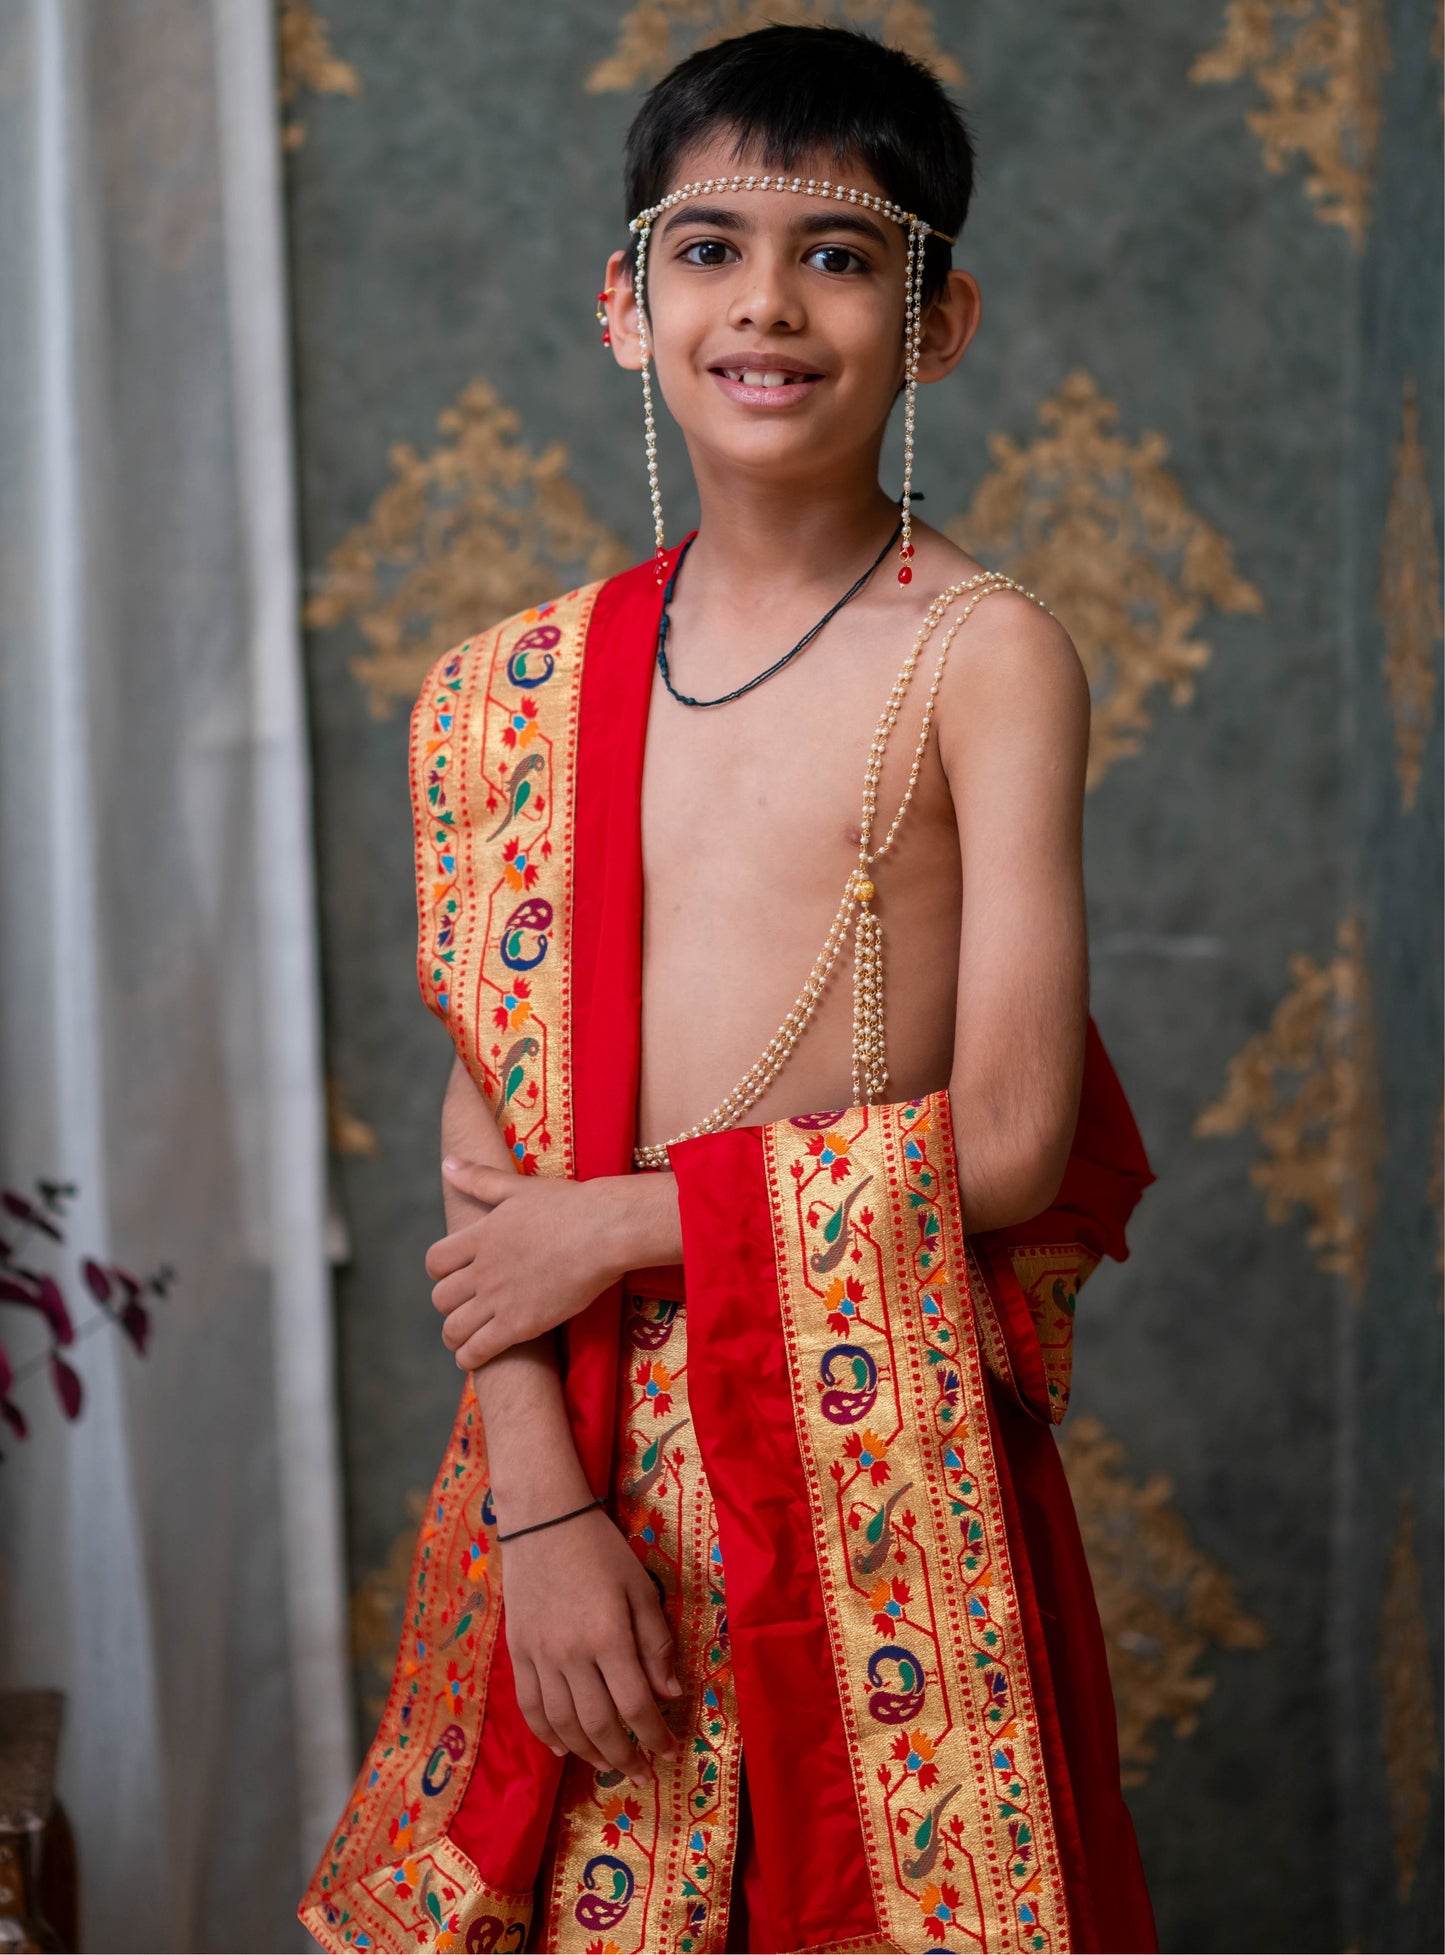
(1208, 241)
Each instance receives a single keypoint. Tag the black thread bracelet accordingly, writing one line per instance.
(556, 1521)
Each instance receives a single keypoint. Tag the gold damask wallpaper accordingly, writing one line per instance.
(1409, 598)
(1405, 1672)
(1318, 64)
(306, 62)
(1309, 1087)
(655, 34)
(1105, 529)
(478, 528)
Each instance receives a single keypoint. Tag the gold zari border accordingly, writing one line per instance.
(910, 1535)
(493, 746)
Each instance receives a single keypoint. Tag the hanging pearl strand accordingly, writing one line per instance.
(918, 232)
(649, 417)
(870, 1068)
(912, 344)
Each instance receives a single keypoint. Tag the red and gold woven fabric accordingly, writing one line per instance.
(833, 1455)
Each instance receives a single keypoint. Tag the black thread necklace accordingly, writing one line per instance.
(778, 664)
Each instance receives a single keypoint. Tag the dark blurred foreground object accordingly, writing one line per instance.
(39, 1899)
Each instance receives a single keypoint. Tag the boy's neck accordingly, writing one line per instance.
(758, 540)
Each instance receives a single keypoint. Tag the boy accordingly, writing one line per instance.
(799, 1649)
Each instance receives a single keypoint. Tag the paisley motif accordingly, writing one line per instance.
(541, 638)
(533, 916)
(817, 1123)
(449, 1747)
(849, 1377)
(487, 1934)
(895, 1705)
(599, 1911)
(650, 1329)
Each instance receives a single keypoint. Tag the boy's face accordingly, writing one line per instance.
(776, 319)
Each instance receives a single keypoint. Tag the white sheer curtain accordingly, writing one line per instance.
(172, 1560)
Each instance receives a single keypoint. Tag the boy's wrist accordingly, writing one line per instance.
(638, 1221)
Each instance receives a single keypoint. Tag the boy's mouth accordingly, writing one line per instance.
(764, 376)
(764, 382)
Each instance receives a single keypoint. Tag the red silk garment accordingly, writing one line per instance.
(526, 764)
(789, 1587)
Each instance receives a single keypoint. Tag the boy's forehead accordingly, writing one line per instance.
(718, 155)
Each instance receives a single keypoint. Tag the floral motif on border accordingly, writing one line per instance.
(493, 746)
(1051, 1277)
(493, 740)
(893, 1428)
(389, 1871)
(650, 1867)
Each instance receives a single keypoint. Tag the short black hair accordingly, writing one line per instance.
(788, 91)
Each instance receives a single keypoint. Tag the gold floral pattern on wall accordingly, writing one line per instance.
(655, 34)
(479, 528)
(1163, 1602)
(305, 59)
(1310, 1088)
(1101, 528)
(1409, 600)
(1318, 64)
(1405, 1676)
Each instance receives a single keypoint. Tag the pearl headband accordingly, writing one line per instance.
(919, 230)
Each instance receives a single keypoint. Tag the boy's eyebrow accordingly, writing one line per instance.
(813, 224)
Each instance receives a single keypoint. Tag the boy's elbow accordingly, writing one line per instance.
(1036, 1185)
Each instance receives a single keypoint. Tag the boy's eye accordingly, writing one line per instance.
(836, 258)
(708, 251)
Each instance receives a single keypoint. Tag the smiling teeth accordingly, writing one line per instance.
(756, 377)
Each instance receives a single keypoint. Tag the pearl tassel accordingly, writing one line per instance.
(870, 1058)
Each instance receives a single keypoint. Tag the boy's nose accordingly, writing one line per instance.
(768, 302)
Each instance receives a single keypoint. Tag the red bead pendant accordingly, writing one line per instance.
(606, 335)
(905, 575)
(905, 549)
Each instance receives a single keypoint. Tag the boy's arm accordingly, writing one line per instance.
(1014, 740)
(590, 1648)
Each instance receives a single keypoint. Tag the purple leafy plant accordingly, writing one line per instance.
(119, 1298)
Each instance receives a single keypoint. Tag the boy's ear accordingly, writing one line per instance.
(621, 311)
(948, 325)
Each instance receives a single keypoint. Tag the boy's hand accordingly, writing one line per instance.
(590, 1648)
(542, 1252)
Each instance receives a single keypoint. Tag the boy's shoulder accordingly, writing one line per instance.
(1013, 662)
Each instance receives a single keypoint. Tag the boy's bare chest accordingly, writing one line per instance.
(751, 817)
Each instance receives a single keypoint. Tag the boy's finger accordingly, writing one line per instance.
(453, 1291)
(487, 1185)
(529, 1702)
(597, 1714)
(655, 1646)
(561, 1715)
(485, 1343)
(462, 1324)
(446, 1257)
(636, 1706)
